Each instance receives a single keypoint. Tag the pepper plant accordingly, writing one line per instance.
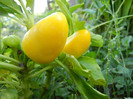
(20, 71)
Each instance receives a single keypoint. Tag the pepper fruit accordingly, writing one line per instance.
(46, 39)
(78, 43)
(12, 41)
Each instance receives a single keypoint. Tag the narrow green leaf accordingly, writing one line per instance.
(131, 53)
(30, 3)
(66, 3)
(3, 12)
(11, 4)
(96, 76)
(116, 7)
(105, 2)
(64, 9)
(98, 3)
(75, 7)
(90, 11)
(9, 94)
(74, 25)
(0, 39)
(126, 7)
(10, 67)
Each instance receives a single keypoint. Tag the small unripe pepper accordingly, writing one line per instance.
(12, 41)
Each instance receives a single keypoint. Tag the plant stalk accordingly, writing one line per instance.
(30, 19)
(108, 62)
(39, 72)
(119, 7)
(17, 20)
(109, 22)
(9, 58)
(10, 67)
(0, 40)
(104, 37)
(15, 53)
(27, 91)
(46, 84)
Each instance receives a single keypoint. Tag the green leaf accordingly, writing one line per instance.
(131, 53)
(96, 76)
(122, 70)
(11, 4)
(126, 41)
(66, 3)
(74, 25)
(73, 63)
(78, 25)
(75, 7)
(119, 86)
(8, 94)
(90, 11)
(30, 3)
(64, 9)
(119, 80)
(0, 39)
(126, 7)
(96, 40)
(84, 88)
(4, 10)
(91, 54)
(129, 62)
(98, 3)
(105, 2)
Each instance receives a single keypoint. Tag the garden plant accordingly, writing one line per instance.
(84, 51)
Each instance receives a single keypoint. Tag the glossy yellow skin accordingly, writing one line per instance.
(78, 43)
(46, 39)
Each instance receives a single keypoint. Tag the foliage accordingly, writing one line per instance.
(114, 56)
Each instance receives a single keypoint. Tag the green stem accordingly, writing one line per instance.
(64, 9)
(67, 14)
(39, 72)
(10, 67)
(8, 58)
(27, 91)
(17, 20)
(104, 37)
(62, 65)
(29, 20)
(46, 84)
(109, 22)
(113, 86)
(24, 8)
(0, 39)
(15, 53)
(71, 28)
(119, 7)
(108, 62)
